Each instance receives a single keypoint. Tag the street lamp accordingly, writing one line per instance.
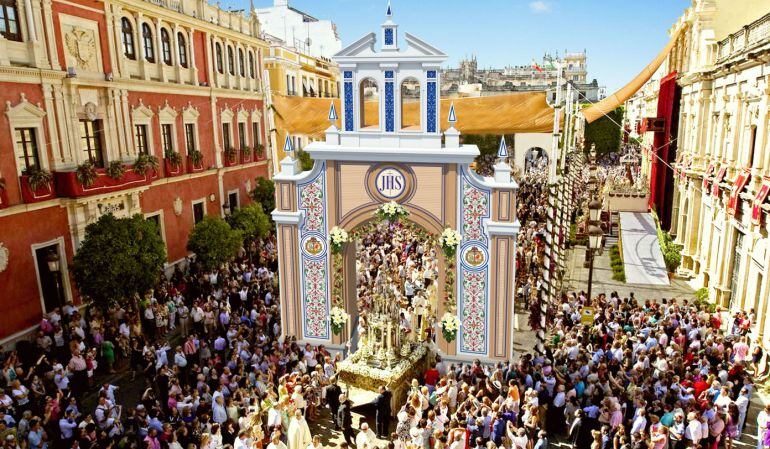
(226, 209)
(595, 236)
(594, 210)
(54, 266)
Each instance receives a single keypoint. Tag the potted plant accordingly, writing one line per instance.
(231, 156)
(38, 178)
(245, 154)
(259, 150)
(36, 184)
(115, 170)
(195, 161)
(86, 174)
(172, 162)
(144, 163)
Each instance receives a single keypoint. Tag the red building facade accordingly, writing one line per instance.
(89, 83)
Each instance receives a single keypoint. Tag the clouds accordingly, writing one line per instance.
(539, 7)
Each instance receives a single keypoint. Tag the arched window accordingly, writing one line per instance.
(9, 20)
(241, 63)
(165, 46)
(251, 64)
(149, 48)
(410, 105)
(220, 66)
(369, 104)
(230, 61)
(127, 32)
(182, 49)
(535, 158)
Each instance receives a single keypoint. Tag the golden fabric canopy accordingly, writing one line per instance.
(609, 104)
(526, 112)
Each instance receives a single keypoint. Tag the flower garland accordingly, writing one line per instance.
(450, 324)
(338, 318)
(337, 238)
(338, 282)
(449, 241)
(391, 211)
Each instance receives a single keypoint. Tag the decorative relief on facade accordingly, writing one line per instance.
(431, 119)
(390, 108)
(388, 36)
(475, 209)
(178, 206)
(473, 312)
(315, 264)
(4, 257)
(81, 48)
(348, 106)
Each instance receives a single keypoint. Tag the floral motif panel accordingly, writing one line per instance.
(475, 208)
(431, 106)
(390, 108)
(314, 258)
(473, 312)
(348, 106)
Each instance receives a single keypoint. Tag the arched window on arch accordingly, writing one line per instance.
(149, 47)
(251, 65)
(127, 36)
(182, 49)
(535, 159)
(165, 46)
(218, 51)
(241, 63)
(410, 105)
(369, 104)
(230, 60)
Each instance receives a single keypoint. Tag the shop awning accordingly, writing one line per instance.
(740, 182)
(720, 176)
(525, 112)
(756, 211)
(609, 104)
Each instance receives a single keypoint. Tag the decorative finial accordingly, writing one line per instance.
(452, 116)
(288, 148)
(502, 152)
(390, 11)
(332, 113)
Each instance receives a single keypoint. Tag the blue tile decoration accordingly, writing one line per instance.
(390, 107)
(431, 74)
(348, 74)
(431, 106)
(388, 74)
(348, 105)
(388, 36)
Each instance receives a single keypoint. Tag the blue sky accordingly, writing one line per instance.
(621, 36)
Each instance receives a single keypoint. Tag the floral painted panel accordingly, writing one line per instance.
(475, 209)
(473, 312)
(315, 298)
(311, 200)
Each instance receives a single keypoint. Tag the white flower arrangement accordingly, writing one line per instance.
(338, 318)
(450, 324)
(391, 211)
(449, 241)
(337, 238)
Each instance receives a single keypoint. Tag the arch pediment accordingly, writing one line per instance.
(24, 110)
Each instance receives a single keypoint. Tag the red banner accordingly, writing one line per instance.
(720, 176)
(706, 175)
(756, 212)
(740, 183)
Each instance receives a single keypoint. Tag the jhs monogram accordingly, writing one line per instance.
(390, 183)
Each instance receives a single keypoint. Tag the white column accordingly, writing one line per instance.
(159, 51)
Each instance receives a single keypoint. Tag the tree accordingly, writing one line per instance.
(305, 161)
(251, 221)
(488, 145)
(264, 194)
(118, 258)
(214, 242)
(605, 132)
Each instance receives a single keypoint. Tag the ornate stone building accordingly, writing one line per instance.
(119, 80)
(719, 171)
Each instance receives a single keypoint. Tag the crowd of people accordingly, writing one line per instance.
(207, 345)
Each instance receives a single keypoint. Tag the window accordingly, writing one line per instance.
(157, 218)
(257, 139)
(242, 134)
(9, 20)
(182, 50)
(288, 85)
(369, 92)
(410, 94)
(91, 141)
(199, 211)
(165, 46)
(149, 48)
(127, 31)
(241, 63)
(251, 64)
(189, 137)
(26, 139)
(752, 145)
(218, 51)
(167, 137)
(142, 145)
(230, 61)
(226, 136)
(233, 201)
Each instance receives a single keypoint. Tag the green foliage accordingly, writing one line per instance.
(605, 133)
(246, 151)
(251, 221)
(264, 194)
(37, 178)
(259, 149)
(702, 300)
(86, 174)
(231, 154)
(116, 170)
(214, 242)
(305, 161)
(196, 157)
(702, 294)
(616, 263)
(145, 162)
(488, 145)
(672, 253)
(118, 258)
(173, 158)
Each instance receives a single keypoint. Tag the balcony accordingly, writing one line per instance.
(31, 193)
(747, 38)
(194, 166)
(172, 169)
(231, 157)
(68, 185)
